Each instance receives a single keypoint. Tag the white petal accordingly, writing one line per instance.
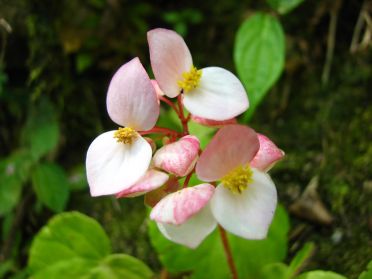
(192, 232)
(219, 96)
(113, 166)
(250, 213)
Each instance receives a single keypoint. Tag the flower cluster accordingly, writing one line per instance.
(237, 192)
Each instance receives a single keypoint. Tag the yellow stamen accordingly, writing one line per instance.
(190, 80)
(125, 135)
(238, 179)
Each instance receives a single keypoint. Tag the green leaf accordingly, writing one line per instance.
(41, 133)
(259, 54)
(83, 62)
(284, 6)
(121, 266)
(368, 273)
(73, 245)
(203, 133)
(14, 171)
(51, 186)
(301, 257)
(68, 236)
(319, 274)
(209, 258)
(275, 271)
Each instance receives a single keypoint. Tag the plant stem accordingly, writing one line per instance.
(160, 130)
(168, 102)
(184, 120)
(228, 253)
(187, 179)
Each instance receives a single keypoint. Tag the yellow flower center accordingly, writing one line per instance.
(238, 179)
(190, 80)
(125, 135)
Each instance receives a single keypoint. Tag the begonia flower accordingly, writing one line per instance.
(213, 92)
(116, 160)
(245, 200)
(178, 157)
(267, 155)
(185, 216)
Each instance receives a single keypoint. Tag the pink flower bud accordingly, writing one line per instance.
(179, 157)
(178, 207)
(267, 155)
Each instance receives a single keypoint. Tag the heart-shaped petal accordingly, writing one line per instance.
(170, 58)
(131, 98)
(114, 166)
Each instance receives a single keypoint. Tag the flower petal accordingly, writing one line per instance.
(179, 157)
(113, 166)
(192, 232)
(170, 58)
(232, 146)
(250, 213)
(131, 98)
(152, 180)
(212, 123)
(219, 96)
(178, 207)
(157, 89)
(267, 155)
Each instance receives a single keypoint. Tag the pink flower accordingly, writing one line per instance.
(243, 203)
(185, 216)
(116, 160)
(213, 93)
(179, 157)
(245, 200)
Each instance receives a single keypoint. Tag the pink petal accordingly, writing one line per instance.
(232, 146)
(192, 232)
(178, 207)
(170, 58)
(150, 181)
(248, 214)
(157, 89)
(212, 123)
(114, 166)
(267, 155)
(178, 157)
(131, 98)
(219, 96)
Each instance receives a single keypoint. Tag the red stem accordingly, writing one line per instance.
(160, 130)
(228, 253)
(187, 179)
(168, 102)
(184, 120)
